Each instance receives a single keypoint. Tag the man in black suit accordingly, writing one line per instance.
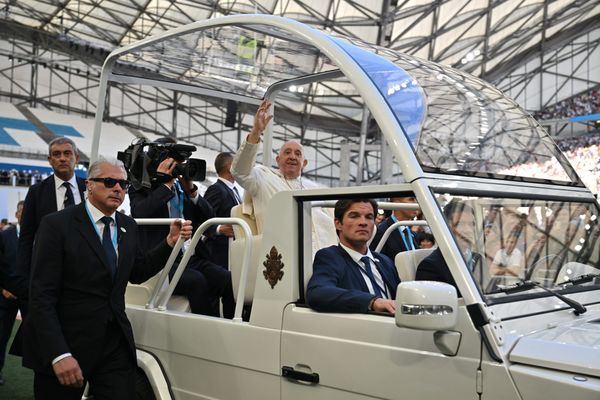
(461, 218)
(9, 305)
(60, 190)
(222, 196)
(77, 329)
(402, 238)
(202, 281)
(349, 277)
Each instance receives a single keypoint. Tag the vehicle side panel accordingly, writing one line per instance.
(368, 355)
(206, 357)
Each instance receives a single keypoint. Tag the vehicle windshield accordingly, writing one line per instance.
(547, 241)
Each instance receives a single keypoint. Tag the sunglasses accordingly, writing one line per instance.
(111, 182)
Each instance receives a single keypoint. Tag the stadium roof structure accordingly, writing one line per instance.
(489, 39)
(491, 36)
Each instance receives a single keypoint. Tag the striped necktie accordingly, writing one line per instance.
(69, 199)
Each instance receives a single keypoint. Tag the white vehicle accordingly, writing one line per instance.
(453, 137)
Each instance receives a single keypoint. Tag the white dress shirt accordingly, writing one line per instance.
(61, 191)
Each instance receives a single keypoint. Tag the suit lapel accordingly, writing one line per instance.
(123, 244)
(81, 186)
(50, 191)
(50, 201)
(353, 269)
(90, 234)
(228, 191)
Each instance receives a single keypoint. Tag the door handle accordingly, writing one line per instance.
(291, 373)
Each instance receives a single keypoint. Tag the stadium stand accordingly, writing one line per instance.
(583, 104)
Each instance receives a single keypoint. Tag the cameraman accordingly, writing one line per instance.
(203, 282)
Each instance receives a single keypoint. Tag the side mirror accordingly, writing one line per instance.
(426, 305)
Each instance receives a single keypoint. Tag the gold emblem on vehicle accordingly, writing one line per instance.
(273, 266)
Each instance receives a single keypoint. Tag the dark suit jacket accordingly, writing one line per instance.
(337, 284)
(394, 244)
(222, 200)
(8, 254)
(73, 296)
(434, 268)
(154, 203)
(39, 202)
(8, 311)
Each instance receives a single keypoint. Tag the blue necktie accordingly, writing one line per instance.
(174, 207)
(107, 244)
(69, 199)
(367, 261)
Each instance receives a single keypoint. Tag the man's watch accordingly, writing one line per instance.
(372, 303)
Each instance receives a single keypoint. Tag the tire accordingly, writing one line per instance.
(143, 389)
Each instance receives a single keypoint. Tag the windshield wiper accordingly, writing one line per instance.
(523, 286)
(581, 279)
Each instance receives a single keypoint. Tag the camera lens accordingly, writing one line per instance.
(191, 169)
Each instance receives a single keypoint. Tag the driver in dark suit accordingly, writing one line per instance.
(349, 277)
(77, 329)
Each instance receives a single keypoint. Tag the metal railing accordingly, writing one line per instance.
(162, 300)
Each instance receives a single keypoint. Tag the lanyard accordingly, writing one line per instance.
(373, 281)
(410, 237)
(113, 237)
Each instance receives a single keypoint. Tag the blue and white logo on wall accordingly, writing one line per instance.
(24, 125)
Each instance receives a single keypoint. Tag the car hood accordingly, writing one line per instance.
(573, 347)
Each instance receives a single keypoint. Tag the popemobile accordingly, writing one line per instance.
(534, 334)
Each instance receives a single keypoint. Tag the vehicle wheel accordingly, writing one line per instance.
(143, 389)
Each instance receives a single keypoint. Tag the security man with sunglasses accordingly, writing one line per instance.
(84, 256)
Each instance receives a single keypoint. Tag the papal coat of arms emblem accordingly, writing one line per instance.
(273, 267)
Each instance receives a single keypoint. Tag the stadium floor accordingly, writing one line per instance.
(18, 380)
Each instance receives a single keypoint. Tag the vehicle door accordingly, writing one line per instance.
(355, 356)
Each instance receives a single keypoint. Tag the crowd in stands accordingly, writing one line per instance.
(582, 152)
(13, 177)
(583, 104)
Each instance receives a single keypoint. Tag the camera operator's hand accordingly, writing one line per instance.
(166, 167)
(188, 186)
